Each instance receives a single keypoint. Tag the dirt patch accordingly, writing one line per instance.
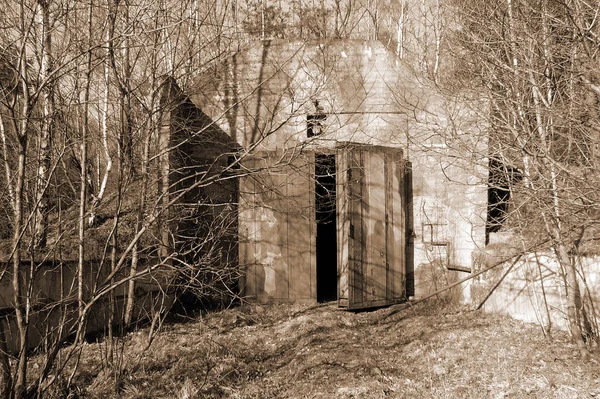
(293, 351)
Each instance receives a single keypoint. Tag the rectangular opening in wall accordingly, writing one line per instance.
(233, 161)
(501, 179)
(314, 124)
(326, 218)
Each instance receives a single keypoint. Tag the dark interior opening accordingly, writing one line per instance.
(501, 177)
(325, 208)
(410, 230)
(314, 122)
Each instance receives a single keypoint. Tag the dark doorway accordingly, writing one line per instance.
(410, 230)
(325, 208)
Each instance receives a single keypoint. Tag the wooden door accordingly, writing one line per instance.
(276, 227)
(371, 226)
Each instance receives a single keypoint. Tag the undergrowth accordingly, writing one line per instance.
(296, 351)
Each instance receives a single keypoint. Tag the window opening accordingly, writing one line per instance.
(501, 178)
(314, 122)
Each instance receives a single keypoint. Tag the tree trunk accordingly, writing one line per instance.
(573, 298)
(19, 293)
(97, 199)
(83, 194)
(46, 131)
(20, 298)
(142, 207)
(7, 170)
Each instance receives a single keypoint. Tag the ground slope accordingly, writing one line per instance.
(293, 351)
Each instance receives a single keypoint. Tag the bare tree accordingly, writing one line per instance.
(535, 69)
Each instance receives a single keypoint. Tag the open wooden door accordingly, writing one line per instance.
(276, 227)
(371, 226)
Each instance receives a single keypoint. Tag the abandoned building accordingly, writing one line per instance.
(358, 182)
(338, 173)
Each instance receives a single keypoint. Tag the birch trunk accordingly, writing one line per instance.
(19, 295)
(46, 131)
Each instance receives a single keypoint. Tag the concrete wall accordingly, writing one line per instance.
(534, 290)
(449, 206)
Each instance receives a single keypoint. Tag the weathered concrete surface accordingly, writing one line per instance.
(534, 290)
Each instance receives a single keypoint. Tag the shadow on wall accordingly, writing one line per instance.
(201, 166)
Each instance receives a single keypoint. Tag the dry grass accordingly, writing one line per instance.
(293, 351)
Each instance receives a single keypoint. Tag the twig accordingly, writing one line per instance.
(489, 294)
(403, 306)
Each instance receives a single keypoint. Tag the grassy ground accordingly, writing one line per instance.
(293, 351)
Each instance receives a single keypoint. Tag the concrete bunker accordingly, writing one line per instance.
(409, 205)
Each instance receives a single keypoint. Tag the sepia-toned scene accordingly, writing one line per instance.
(299, 199)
